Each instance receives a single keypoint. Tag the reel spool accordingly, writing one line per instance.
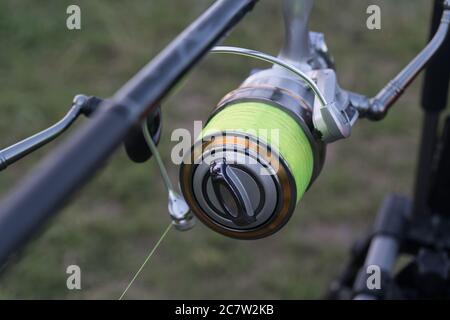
(255, 158)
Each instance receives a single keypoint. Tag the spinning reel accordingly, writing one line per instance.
(265, 143)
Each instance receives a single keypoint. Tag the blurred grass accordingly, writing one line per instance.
(110, 226)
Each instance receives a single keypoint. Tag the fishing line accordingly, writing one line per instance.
(157, 156)
(146, 260)
(262, 119)
(170, 190)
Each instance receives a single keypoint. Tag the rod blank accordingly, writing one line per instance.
(69, 166)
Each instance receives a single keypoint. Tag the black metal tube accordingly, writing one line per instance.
(68, 167)
(379, 105)
(437, 75)
(434, 100)
(425, 161)
(440, 177)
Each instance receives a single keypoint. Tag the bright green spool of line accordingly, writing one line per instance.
(293, 145)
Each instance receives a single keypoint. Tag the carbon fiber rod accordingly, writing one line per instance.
(69, 167)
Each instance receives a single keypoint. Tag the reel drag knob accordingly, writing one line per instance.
(231, 194)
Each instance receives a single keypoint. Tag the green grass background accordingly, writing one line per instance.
(109, 227)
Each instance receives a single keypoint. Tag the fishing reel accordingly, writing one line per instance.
(264, 145)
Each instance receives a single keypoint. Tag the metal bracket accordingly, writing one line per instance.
(334, 120)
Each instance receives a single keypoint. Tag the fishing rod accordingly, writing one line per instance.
(261, 148)
(37, 197)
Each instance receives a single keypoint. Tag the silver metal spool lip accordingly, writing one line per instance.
(287, 193)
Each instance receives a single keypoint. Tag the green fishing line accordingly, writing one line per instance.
(261, 118)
